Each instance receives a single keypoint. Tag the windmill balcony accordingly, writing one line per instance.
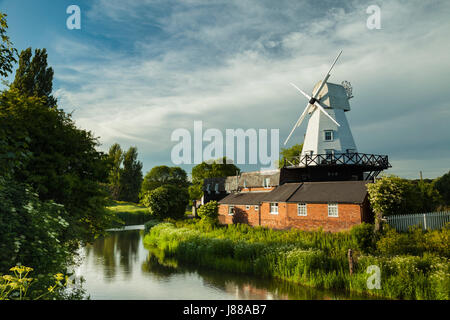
(353, 159)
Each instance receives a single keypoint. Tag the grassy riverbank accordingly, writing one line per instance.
(316, 259)
(129, 213)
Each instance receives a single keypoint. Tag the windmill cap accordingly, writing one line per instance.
(333, 96)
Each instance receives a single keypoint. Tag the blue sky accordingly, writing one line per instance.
(137, 70)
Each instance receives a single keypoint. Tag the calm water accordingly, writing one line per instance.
(119, 267)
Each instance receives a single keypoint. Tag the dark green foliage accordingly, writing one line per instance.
(364, 237)
(7, 51)
(429, 197)
(115, 158)
(125, 174)
(131, 176)
(64, 167)
(33, 77)
(163, 175)
(442, 184)
(14, 152)
(30, 230)
(167, 201)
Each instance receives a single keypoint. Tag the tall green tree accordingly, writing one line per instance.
(64, 165)
(131, 176)
(167, 201)
(115, 157)
(442, 184)
(163, 175)
(12, 141)
(34, 77)
(7, 51)
(430, 199)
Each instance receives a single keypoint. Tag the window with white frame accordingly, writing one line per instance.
(328, 135)
(230, 210)
(333, 209)
(301, 209)
(256, 207)
(266, 182)
(247, 207)
(274, 208)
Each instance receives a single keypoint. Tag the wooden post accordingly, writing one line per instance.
(194, 208)
(350, 261)
(425, 221)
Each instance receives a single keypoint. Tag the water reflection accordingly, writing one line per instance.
(118, 252)
(119, 267)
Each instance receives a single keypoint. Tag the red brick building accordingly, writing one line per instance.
(333, 206)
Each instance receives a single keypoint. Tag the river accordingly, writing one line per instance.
(119, 267)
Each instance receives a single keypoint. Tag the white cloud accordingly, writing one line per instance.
(229, 64)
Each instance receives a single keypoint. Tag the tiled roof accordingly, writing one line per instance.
(244, 198)
(336, 191)
(311, 192)
(282, 193)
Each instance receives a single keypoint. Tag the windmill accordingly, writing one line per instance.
(328, 132)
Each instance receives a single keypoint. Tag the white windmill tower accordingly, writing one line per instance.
(328, 132)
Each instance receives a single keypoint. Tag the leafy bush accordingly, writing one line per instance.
(393, 195)
(64, 165)
(209, 212)
(167, 202)
(415, 242)
(364, 237)
(442, 184)
(30, 230)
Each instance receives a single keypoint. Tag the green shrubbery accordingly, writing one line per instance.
(313, 258)
(167, 201)
(209, 213)
(364, 237)
(30, 229)
(415, 242)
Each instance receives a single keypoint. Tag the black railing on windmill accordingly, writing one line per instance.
(357, 159)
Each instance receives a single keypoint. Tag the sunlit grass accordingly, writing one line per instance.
(316, 259)
(130, 213)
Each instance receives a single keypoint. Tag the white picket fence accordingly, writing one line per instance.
(428, 221)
